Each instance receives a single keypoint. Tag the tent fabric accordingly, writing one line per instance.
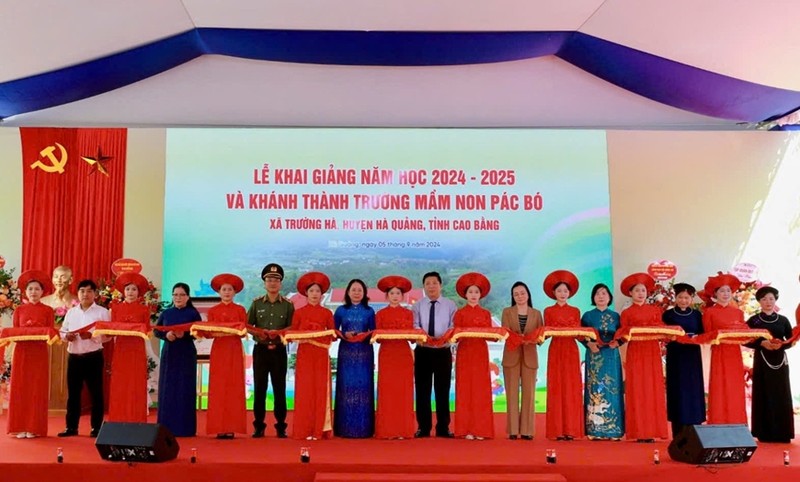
(659, 79)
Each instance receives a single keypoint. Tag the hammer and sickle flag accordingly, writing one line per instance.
(68, 215)
(56, 164)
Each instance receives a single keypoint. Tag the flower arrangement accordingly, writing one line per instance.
(663, 296)
(108, 294)
(10, 294)
(745, 298)
(61, 312)
(5, 372)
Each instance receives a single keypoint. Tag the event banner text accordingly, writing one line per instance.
(394, 200)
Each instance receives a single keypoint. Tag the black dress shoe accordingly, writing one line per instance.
(527, 437)
(69, 432)
(421, 434)
(94, 432)
(512, 437)
(446, 435)
(258, 433)
(225, 436)
(282, 433)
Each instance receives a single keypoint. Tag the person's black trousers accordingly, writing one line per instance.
(436, 365)
(269, 364)
(86, 368)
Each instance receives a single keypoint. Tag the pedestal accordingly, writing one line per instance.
(58, 379)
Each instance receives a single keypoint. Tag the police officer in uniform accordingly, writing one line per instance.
(271, 312)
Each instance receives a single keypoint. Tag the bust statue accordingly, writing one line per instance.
(61, 296)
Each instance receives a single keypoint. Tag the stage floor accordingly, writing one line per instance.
(276, 459)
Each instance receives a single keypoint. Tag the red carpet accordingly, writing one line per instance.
(416, 460)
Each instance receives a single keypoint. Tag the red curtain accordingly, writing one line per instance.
(74, 217)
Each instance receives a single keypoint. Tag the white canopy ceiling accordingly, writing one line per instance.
(749, 40)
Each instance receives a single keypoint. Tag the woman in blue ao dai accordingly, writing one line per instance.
(603, 393)
(178, 368)
(354, 411)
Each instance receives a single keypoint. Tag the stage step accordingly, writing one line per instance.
(429, 477)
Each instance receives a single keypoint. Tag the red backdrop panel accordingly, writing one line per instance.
(74, 217)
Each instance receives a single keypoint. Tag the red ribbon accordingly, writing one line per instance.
(122, 326)
(28, 331)
(236, 325)
(514, 341)
(441, 341)
(568, 329)
(795, 336)
(181, 327)
(357, 338)
(484, 331)
(534, 337)
(319, 338)
(85, 329)
(412, 333)
(264, 333)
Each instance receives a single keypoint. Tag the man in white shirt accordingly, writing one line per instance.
(85, 362)
(433, 366)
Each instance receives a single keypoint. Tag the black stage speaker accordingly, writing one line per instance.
(136, 442)
(713, 444)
